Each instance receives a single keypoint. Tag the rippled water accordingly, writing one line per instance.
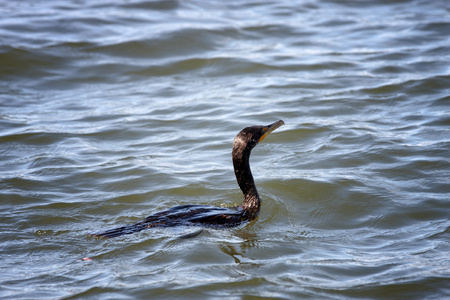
(113, 110)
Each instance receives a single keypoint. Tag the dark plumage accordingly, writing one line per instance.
(207, 215)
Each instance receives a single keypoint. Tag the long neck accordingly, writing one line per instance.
(244, 177)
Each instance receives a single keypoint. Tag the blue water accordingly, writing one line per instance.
(113, 110)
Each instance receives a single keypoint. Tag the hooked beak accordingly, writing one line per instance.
(269, 128)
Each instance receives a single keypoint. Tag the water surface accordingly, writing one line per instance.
(113, 110)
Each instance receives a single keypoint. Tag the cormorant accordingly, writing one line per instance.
(208, 215)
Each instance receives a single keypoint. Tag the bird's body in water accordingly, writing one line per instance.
(207, 215)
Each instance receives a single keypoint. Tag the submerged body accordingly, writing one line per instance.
(187, 215)
(207, 215)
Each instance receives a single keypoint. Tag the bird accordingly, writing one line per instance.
(209, 215)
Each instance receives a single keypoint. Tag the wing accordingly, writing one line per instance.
(190, 215)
